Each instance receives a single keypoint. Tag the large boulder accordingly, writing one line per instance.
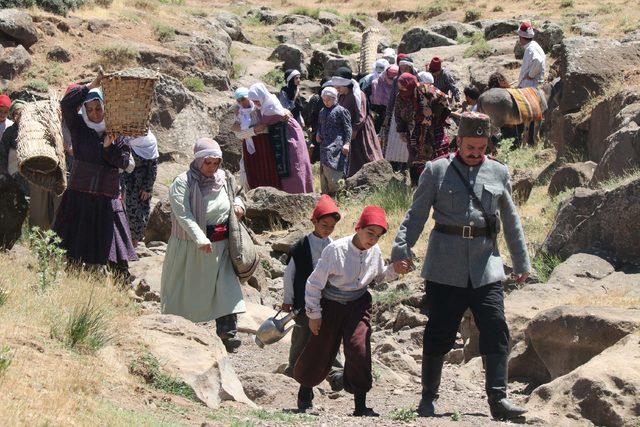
(372, 177)
(266, 15)
(210, 52)
(193, 354)
(480, 71)
(328, 18)
(566, 337)
(495, 28)
(622, 155)
(292, 56)
(571, 175)
(230, 144)
(269, 208)
(522, 181)
(547, 36)
(18, 26)
(13, 61)
(319, 59)
(159, 225)
(298, 29)
(419, 38)
(584, 72)
(164, 60)
(453, 29)
(231, 24)
(585, 222)
(568, 132)
(603, 391)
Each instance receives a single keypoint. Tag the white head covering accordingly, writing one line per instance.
(379, 66)
(526, 30)
(425, 77)
(269, 103)
(390, 55)
(93, 95)
(292, 75)
(342, 82)
(245, 118)
(145, 146)
(330, 92)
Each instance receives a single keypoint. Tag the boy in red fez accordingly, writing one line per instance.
(338, 306)
(304, 256)
(5, 106)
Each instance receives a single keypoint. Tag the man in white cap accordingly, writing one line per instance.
(533, 62)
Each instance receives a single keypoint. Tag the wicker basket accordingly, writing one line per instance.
(40, 153)
(128, 96)
(368, 49)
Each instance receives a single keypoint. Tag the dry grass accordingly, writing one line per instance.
(620, 297)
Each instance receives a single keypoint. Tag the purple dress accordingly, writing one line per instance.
(91, 220)
(300, 178)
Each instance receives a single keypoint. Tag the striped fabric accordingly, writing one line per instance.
(528, 102)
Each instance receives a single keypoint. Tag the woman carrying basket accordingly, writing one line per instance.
(198, 280)
(91, 220)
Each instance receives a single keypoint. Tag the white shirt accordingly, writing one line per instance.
(4, 125)
(533, 65)
(317, 245)
(347, 268)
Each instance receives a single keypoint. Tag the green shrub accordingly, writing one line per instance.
(38, 85)
(395, 197)
(50, 257)
(6, 357)
(274, 78)
(164, 33)
(405, 415)
(472, 15)
(194, 84)
(434, 9)
(86, 330)
(349, 48)
(479, 48)
(456, 416)
(59, 7)
(118, 56)
(544, 264)
(148, 367)
(390, 298)
(307, 11)
(566, 4)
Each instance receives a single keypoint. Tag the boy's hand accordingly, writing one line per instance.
(314, 325)
(345, 149)
(403, 266)
(286, 307)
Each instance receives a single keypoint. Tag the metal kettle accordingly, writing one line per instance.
(273, 329)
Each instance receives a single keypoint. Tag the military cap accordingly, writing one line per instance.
(474, 125)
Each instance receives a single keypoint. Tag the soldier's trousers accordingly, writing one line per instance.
(350, 324)
(447, 305)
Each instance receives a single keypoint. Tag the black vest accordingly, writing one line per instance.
(301, 254)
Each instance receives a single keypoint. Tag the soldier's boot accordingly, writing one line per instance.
(496, 386)
(361, 409)
(431, 374)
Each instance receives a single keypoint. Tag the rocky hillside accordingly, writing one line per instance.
(78, 349)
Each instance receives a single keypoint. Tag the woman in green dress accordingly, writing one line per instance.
(198, 280)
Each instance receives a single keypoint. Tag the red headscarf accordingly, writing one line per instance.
(5, 101)
(410, 82)
(71, 87)
(372, 215)
(392, 71)
(325, 206)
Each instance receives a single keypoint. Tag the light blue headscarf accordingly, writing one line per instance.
(241, 92)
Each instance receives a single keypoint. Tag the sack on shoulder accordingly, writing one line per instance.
(242, 250)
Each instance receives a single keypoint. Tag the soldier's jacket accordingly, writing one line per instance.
(451, 259)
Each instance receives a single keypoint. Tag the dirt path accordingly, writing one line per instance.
(462, 394)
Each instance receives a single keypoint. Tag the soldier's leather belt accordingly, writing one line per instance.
(466, 232)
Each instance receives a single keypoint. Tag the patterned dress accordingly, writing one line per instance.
(141, 179)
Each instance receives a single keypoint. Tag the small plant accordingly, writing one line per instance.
(456, 416)
(4, 296)
(471, 15)
(544, 264)
(103, 3)
(349, 48)
(405, 415)
(395, 197)
(199, 13)
(6, 357)
(274, 78)
(434, 9)
(164, 33)
(390, 298)
(566, 4)
(86, 329)
(118, 56)
(307, 11)
(38, 85)
(498, 8)
(194, 84)
(479, 48)
(148, 367)
(50, 257)
(238, 70)
(147, 5)
(375, 372)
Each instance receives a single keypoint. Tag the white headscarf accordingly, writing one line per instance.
(379, 66)
(244, 118)
(93, 95)
(292, 75)
(425, 77)
(342, 82)
(330, 92)
(390, 55)
(269, 103)
(145, 146)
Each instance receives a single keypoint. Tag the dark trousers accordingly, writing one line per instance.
(380, 111)
(300, 336)
(447, 305)
(351, 324)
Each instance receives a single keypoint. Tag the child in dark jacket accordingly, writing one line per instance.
(304, 255)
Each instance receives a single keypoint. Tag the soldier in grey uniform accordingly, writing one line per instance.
(463, 268)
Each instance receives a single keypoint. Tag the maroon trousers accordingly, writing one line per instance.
(351, 324)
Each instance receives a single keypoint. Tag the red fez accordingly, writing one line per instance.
(392, 71)
(435, 65)
(325, 206)
(372, 215)
(400, 57)
(5, 101)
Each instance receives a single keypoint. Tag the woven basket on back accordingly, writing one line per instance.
(128, 96)
(40, 153)
(368, 49)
